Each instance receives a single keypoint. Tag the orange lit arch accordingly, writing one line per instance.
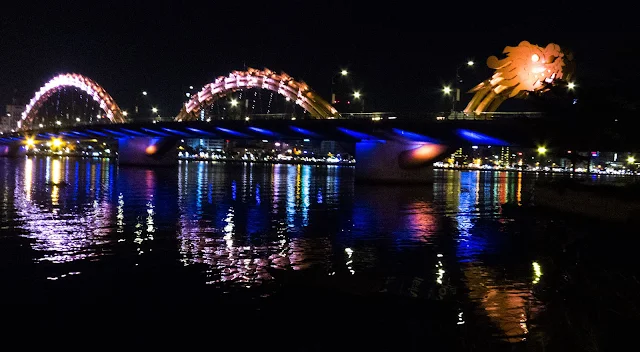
(81, 82)
(283, 84)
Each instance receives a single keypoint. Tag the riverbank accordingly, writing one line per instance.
(550, 171)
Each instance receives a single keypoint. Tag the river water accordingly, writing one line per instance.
(88, 230)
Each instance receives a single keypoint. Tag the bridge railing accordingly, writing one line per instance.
(375, 116)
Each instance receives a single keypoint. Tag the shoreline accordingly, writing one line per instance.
(536, 171)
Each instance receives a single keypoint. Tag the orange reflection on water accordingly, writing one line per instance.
(519, 189)
(508, 305)
(421, 220)
(502, 187)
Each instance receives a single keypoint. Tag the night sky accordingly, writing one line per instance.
(400, 54)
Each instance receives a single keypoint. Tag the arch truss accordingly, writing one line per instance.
(93, 89)
(283, 84)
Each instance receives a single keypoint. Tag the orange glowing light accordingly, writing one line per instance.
(152, 149)
(421, 155)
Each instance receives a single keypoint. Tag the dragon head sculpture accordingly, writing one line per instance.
(526, 68)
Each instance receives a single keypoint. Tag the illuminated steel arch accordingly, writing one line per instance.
(75, 80)
(263, 79)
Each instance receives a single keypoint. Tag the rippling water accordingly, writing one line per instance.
(450, 241)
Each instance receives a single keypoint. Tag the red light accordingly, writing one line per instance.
(519, 153)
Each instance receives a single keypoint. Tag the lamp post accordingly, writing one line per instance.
(342, 73)
(456, 96)
(358, 96)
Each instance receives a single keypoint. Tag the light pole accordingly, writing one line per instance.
(342, 73)
(155, 111)
(358, 96)
(456, 96)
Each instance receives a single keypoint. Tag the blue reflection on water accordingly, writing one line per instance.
(469, 244)
(285, 216)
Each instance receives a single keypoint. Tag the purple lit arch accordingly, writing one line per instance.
(283, 84)
(81, 82)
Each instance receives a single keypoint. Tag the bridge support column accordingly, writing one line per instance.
(13, 150)
(396, 162)
(147, 151)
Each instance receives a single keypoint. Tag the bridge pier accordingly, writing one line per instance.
(147, 151)
(396, 162)
(12, 150)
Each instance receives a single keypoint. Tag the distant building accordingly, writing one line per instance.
(207, 144)
(9, 120)
(332, 147)
(505, 156)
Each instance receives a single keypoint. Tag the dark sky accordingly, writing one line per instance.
(400, 53)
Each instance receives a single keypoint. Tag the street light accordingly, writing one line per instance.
(571, 85)
(446, 90)
(144, 92)
(631, 159)
(342, 73)
(234, 102)
(456, 97)
(542, 150)
(358, 96)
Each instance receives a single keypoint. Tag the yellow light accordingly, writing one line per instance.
(154, 110)
(124, 113)
(542, 150)
(234, 102)
(356, 95)
(571, 85)
(30, 142)
(537, 272)
(470, 63)
(56, 142)
(446, 90)
(344, 72)
(631, 160)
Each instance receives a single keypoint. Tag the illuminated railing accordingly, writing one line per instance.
(375, 116)
(459, 115)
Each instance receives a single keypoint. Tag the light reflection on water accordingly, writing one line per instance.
(237, 220)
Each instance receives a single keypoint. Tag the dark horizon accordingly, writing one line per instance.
(399, 61)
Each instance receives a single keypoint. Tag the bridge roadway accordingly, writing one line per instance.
(387, 148)
(527, 133)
